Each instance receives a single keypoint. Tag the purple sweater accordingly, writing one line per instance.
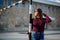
(38, 24)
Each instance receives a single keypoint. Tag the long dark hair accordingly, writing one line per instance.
(39, 13)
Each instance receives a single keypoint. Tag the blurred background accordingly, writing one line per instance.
(14, 18)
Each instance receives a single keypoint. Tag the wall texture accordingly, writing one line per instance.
(16, 18)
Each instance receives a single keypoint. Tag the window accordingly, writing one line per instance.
(44, 8)
(9, 2)
(34, 6)
(39, 6)
(23, 4)
(1, 2)
(53, 9)
(49, 9)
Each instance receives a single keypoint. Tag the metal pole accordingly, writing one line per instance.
(30, 23)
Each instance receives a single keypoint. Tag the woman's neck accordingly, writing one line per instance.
(39, 17)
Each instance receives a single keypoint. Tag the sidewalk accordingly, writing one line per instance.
(12, 35)
(18, 35)
(51, 32)
(46, 32)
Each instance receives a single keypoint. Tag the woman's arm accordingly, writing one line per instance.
(47, 19)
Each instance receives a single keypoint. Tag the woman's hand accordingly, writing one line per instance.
(44, 14)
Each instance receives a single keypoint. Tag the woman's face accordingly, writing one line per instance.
(35, 13)
(38, 13)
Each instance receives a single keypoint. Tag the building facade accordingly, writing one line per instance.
(16, 18)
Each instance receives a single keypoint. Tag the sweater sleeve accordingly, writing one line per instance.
(47, 19)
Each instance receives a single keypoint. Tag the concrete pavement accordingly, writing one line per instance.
(13, 36)
(47, 32)
(18, 36)
(52, 35)
(52, 32)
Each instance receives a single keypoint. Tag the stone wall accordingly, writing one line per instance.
(16, 18)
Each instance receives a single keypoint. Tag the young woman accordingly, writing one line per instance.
(38, 24)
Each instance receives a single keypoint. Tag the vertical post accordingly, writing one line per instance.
(30, 23)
